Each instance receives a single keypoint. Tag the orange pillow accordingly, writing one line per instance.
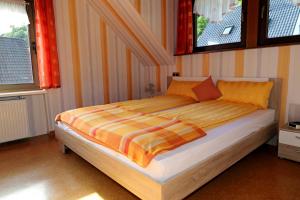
(207, 91)
(256, 93)
(183, 88)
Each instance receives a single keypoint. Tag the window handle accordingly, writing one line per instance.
(33, 46)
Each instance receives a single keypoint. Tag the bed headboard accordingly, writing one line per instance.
(275, 97)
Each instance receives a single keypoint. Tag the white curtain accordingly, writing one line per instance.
(214, 10)
(12, 13)
(297, 2)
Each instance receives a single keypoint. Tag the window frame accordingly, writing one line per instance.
(223, 47)
(263, 39)
(32, 42)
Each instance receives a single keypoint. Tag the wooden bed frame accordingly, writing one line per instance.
(183, 183)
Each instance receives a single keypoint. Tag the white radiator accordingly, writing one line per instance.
(13, 120)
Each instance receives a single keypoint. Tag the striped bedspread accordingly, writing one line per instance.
(155, 104)
(137, 135)
(209, 114)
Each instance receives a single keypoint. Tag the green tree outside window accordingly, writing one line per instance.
(201, 25)
(17, 32)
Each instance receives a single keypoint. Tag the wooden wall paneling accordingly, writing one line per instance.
(137, 6)
(228, 64)
(206, 65)
(158, 72)
(171, 34)
(64, 54)
(164, 74)
(151, 16)
(84, 53)
(156, 78)
(259, 62)
(292, 93)
(251, 63)
(215, 60)
(283, 67)
(113, 65)
(175, 22)
(269, 62)
(294, 80)
(144, 78)
(179, 65)
(132, 2)
(121, 30)
(150, 71)
(129, 74)
(163, 11)
(171, 29)
(197, 65)
(122, 70)
(156, 28)
(141, 31)
(239, 63)
(73, 26)
(186, 65)
(96, 56)
(105, 60)
(136, 77)
(156, 20)
(146, 12)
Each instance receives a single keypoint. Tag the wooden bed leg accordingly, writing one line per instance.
(64, 149)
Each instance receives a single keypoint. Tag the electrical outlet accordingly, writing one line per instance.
(176, 74)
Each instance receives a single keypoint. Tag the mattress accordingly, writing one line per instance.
(169, 164)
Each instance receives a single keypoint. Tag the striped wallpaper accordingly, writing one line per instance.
(98, 67)
(275, 62)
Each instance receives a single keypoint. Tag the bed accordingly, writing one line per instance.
(164, 180)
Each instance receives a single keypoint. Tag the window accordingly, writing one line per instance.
(17, 56)
(219, 25)
(227, 30)
(280, 22)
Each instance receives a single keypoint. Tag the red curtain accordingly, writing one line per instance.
(48, 65)
(185, 27)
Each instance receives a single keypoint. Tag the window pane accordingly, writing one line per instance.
(284, 19)
(219, 24)
(15, 57)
